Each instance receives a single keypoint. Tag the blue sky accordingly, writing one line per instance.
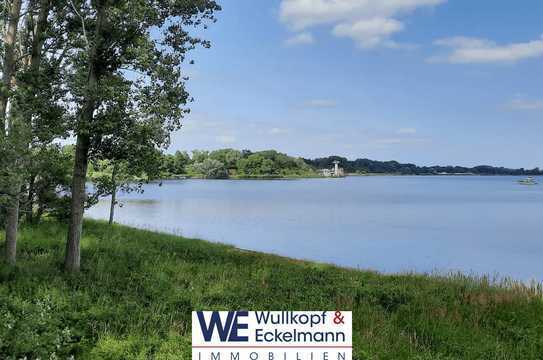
(423, 81)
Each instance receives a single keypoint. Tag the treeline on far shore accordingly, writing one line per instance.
(231, 163)
(366, 166)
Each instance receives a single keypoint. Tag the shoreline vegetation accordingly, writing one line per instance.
(136, 289)
(271, 164)
(272, 177)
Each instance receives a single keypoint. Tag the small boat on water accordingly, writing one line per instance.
(528, 181)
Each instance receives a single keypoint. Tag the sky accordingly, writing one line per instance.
(448, 82)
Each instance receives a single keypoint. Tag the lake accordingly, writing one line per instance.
(477, 225)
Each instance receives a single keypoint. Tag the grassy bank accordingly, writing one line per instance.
(133, 297)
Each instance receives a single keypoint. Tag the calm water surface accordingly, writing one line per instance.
(482, 225)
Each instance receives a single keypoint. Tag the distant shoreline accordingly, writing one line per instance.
(188, 177)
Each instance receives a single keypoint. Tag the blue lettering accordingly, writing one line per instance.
(227, 331)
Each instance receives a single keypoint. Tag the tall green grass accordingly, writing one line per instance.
(136, 290)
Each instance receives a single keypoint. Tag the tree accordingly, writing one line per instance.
(252, 165)
(125, 74)
(176, 164)
(11, 27)
(229, 157)
(112, 177)
(31, 90)
(128, 171)
(6, 125)
(210, 169)
(181, 161)
(199, 156)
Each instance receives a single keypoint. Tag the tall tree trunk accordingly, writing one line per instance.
(79, 193)
(30, 199)
(10, 38)
(113, 194)
(12, 221)
(38, 39)
(8, 72)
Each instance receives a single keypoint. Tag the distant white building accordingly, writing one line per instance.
(335, 172)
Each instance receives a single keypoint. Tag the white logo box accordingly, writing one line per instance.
(272, 335)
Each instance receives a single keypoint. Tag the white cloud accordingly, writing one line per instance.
(226, 139)
(523, 104)
(369, 33)
(321, 103)
(465, 50)
(304, 38)
(407, 131)
(370, 23)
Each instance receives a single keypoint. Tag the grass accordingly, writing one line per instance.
(136, 289)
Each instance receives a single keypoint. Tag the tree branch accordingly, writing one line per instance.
(82, 24)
